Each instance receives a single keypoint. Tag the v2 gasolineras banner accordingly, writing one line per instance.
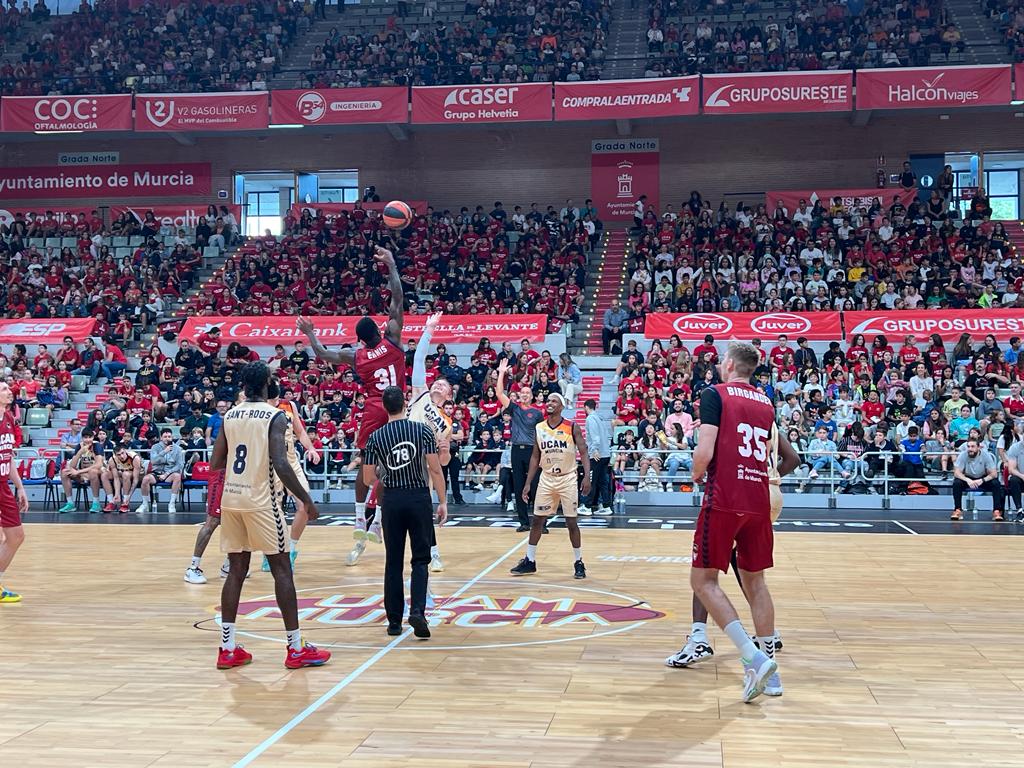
(627, 99)
(257, 331)
(202, 111)
(923, 87)
(694, 326)
(66, 113)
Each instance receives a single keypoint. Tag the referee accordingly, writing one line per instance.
(402, 457)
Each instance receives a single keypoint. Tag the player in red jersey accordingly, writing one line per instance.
(12, 535)
(379, 364)
(736, 432)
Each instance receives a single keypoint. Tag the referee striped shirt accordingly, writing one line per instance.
(398, 451)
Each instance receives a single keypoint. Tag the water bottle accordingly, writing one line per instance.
(619, 503)
(974, 512)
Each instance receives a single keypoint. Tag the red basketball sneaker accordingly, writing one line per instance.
(309, 656)
(237, 658)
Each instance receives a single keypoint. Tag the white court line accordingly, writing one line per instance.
(908, 530)
(354, 675)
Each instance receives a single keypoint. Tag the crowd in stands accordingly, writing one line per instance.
(186, 47)
(500, 41)
(1008, 18)
(687, 37)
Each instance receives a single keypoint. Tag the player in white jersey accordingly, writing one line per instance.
(427, 407)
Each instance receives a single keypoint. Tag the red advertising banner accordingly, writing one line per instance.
(92, 181)
(816, 326)
(330, 210)
(460, 104)
(766, 92)
(340, 106)
(851, 198)
(8, 213)
(202, 111)
(31, 331)
(620, 171)
(948, 323)
(921, 87)
(180, 215)
(66, 113)
(626, 99)
(333, 329)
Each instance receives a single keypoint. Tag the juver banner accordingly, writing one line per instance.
(340, 106)
(66, 113)
(933, 87)
(456, 104)
(202, 111)
(816, 326)
(334, 329)
(627, 99)
(778, 92)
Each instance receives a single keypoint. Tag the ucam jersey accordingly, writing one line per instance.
(250, 482)
(423, 410)
(557, 448)
(739, 470)
(380, 367)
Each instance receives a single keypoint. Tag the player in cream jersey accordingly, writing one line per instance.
(554, 453)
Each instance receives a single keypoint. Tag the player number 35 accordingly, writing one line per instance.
(755, 442)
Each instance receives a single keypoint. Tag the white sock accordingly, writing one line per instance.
(67, 495)
(435, 551)
(531, 552)
(767, 645)
(293, 545)
(227, 636)
(741, 640)
(699, 631)
(577, 553)
(295, 639)
(361, 513)
(196, 561)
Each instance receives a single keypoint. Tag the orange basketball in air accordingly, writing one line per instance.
(397, 215)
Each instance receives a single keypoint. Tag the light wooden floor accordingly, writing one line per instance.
(899, 651)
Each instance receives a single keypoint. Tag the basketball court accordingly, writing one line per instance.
(900, 650)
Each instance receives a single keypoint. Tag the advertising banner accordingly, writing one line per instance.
(91, 181)
(948, 323)
(335, 329)
(816, 326)
(627, 99)
(202, 111)
(620, 171)
(461, 104)
(766, 92)
(179, 215)
(921, 87)
(31, 331)
(66, 113)
(339, 106)
(851, 198)
(8, 213)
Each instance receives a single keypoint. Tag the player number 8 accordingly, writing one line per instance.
(754, 442)
(241, 452)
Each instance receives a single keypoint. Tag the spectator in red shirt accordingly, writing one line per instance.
(707, 346)
(325, 428)
(779, 351)
(68, 353)
(209, 344)
(114, 362)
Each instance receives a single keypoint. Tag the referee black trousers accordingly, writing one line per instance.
(520, 469)
(406, 513)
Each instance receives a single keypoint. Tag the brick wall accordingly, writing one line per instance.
(547, 162)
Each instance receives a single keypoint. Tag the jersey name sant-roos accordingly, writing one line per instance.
(738, 472)
(250, 482)
(380, 367)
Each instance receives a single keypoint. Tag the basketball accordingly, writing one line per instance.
(397, 215)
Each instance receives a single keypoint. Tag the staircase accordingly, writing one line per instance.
(609, 277)
(627, 42)
(983, 41)
(1015, 229)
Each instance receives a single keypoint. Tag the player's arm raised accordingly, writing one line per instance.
(577, 436)
(279, 458)
(396, 311)
(500, 388)
(419, 360)
(333, 356)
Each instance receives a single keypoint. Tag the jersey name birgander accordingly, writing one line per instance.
(749, 394)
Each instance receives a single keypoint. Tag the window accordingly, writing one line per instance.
(339, 194)
(263, 211)
(1003, 193)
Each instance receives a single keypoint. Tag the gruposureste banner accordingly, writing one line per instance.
(694, 326)
(923, 87)
(336, 329)
(766, 92)
(461, 104)
(231, 111)
(851, 198)
(31, 331)
(627, 99)
(66, 113)
(340, 106)
(948, 323)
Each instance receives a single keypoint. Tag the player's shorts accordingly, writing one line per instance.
(553, 492)
(374, 417)
(10, 517)
(253, 530)
(717, 532)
